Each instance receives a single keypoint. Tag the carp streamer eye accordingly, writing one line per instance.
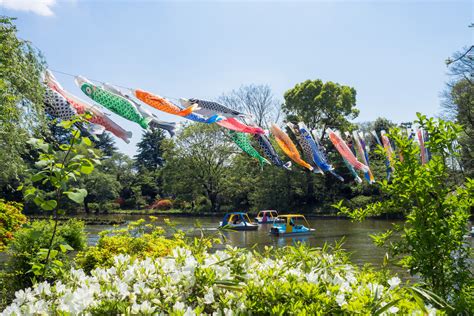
(88, 90)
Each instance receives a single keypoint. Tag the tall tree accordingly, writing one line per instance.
(257, 100)
(198, 163)
(149, 150)
(458, 103)
(21, 99)
(321, 105)
(106, 143)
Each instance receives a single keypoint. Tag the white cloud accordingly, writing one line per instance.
(40, 7)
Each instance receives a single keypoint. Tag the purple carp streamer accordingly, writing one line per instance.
(362, 155)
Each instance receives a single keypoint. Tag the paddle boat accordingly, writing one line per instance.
(237, 221)
(293, 225)
(267, 216)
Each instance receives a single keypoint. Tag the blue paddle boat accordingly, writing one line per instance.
(293, 225)
(237, 221)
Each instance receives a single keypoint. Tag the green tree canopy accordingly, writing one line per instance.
(149, 150)
(321, 105)
(21, 99)
(197, 163)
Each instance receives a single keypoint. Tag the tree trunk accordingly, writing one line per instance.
(309, 188)
(86, 207)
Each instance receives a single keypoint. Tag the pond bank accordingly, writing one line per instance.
(183, 213)
(88, 220)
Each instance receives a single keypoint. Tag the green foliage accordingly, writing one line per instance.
(57, 170)
(11, 219)
(27, 251)
(21, 100)
(139, 240)
(432, 241)
(292, 280)
(197, 164)
(321, 105)
(149, 150)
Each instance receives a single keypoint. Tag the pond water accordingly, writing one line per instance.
(357, 235)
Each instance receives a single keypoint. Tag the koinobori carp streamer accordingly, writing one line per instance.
(153, 121)
(209, 108)
(242, 140)
(162, 104)
(115, 103)
(345, 151)
(82, 107)
(269, 151)
(362, 155)
(305, 146)
(288, 147)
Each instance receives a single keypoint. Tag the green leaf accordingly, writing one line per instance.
(65, 247)
(20, 187)
(87, 167)
(77, 196)
(66, 124)
(48, 205)
(86, 141)
(37, 177)
(386, 307)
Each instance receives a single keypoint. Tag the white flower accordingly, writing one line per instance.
(189, 312)
(312, 277)
(24, 296)
(393, 310)
(394, 282)
(209, 297)
(12, 309)
(43, 288)
(341, 299)
(179, 306)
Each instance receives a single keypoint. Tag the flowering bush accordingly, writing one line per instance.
(139, 240)
(162, 205)
(234, 281)
(11, 220)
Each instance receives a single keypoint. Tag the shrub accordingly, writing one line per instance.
(164, 205)
(139, 240)
(293, 280)
(25, 248)
(11, 220)
(360, 201)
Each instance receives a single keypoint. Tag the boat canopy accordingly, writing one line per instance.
(235, 216)
(289, 221)
(271, 213)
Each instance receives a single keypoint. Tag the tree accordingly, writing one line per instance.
(432, 242)
(106, 144)
(321, 105)
(458, 103)
(149, 150)
(197, 163)
(257, 100)
(102, 188)
(21, 99)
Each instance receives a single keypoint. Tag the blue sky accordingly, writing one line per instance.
(392, 52)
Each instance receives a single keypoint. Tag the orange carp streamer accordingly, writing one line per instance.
(162, 104)
(288, 147)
